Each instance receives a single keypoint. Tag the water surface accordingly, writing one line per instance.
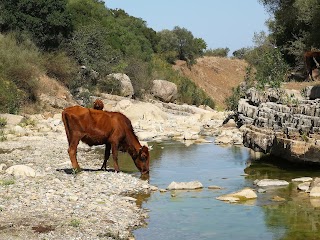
(198, 215)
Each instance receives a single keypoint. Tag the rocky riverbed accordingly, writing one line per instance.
(40, 196)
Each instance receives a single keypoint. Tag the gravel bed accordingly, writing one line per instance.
(58, 204)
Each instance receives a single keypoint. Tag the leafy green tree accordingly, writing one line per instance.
(180, 44)
(294, 27)
(89, 46)
(86, 12)
(46, 21)
(241, 53)
(188, 47)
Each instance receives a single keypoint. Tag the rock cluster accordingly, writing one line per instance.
(284, 125)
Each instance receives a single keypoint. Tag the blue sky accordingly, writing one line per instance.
(220, 23)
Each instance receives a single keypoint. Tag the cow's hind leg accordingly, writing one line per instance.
(106, 156)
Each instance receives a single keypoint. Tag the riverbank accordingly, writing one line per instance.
(49, 202)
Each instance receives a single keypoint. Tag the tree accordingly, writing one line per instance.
(294, 27)
(46, 21)
(180, 44)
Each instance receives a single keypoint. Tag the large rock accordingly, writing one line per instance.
(125, 84)
(185, 185)
(241, 195)
(271, 183)
(164, 90)
(11, 119)
(21, 170)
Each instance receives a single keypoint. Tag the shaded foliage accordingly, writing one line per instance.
(46, 21)
(294, 27)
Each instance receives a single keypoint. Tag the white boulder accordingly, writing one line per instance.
(185, 185)
(21, 170)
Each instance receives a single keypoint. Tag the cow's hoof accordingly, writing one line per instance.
(76, 170)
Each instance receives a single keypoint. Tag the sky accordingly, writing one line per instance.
(220, 23)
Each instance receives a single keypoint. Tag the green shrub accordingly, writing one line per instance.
(6, 182)
(10, 97)
(239, 92)
(27, 121)
(233, 100)
(217, 52)
(21, 64)
(140, 76)
(3, 122)
(75, 223)
(109, 85)
(60, 66)
(271, 68)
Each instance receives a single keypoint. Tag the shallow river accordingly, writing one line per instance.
(198, 215)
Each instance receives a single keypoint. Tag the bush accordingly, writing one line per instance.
(3, 122)
(232, 101)
(21, 63)
(140, 76)
(60, 66)
(218, 52)
(109, 85)
(271, 68)
(10, 97)
(238, 92)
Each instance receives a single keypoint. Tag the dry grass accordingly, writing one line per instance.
(215, 75)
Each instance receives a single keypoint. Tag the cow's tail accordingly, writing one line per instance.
(66, 125)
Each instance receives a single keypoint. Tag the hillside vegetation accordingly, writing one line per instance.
(80, 42)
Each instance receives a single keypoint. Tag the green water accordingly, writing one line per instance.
(198, 215)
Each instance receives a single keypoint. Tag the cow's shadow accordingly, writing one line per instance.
(72, 171)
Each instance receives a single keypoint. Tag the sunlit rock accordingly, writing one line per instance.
(271, 183)
(315, 191)
(304, 186)
(21, 170)
(302, 179)
(185, 185)
(241, 195)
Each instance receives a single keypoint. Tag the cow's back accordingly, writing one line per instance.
(95, 126)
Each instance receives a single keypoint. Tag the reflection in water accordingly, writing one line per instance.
(299, 216)
(198, 215)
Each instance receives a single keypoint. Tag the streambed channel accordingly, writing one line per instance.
(199, 215)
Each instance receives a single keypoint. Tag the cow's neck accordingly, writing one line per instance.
(133, 142)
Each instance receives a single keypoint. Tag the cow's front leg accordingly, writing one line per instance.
(106, 156)
(72, 150)
(115, 157)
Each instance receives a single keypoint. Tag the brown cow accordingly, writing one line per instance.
(96, 127)
(312, 60)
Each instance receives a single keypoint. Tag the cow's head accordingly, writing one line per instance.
(141, 159)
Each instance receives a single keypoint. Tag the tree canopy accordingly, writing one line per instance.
(294, 26)
(46, 21)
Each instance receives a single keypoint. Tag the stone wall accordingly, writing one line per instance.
(282, 123)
